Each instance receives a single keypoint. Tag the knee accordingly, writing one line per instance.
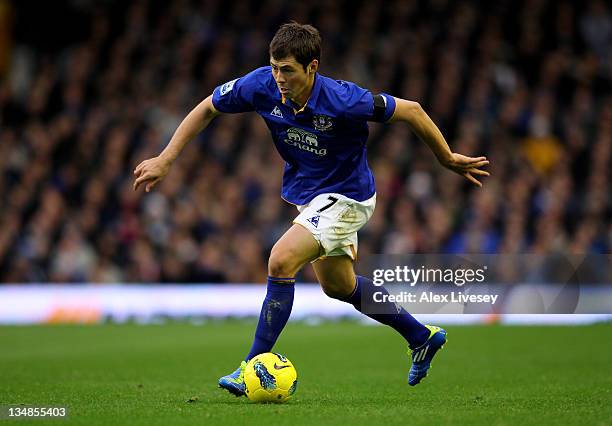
(281, 265)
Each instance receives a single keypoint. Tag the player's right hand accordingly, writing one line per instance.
(150, 172)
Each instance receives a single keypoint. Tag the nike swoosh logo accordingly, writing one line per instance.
(279, 367)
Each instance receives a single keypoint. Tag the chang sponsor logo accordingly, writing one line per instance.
(304, 140)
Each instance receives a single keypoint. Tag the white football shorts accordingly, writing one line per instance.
(333, 220)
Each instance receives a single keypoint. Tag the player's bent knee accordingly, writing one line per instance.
(282, 265)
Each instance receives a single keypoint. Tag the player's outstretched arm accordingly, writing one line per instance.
(151, 171)
(428, 132)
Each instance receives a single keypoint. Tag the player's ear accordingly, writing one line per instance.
(313, 66)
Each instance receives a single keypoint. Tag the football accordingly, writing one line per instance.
(270, 377)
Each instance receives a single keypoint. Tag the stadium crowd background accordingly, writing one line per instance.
(89, 89)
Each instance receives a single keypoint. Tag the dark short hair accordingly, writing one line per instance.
(303, 42)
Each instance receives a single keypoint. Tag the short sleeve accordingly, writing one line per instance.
(384, 107)
(236, 95)
(361, 105)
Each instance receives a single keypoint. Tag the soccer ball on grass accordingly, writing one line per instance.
(270, 377)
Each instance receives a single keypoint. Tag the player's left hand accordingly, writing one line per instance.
(467, 167)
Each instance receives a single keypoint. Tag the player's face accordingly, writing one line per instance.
(292, 80)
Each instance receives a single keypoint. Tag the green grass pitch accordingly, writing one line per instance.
(349, 374)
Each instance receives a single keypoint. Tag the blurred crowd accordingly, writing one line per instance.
(527, 83)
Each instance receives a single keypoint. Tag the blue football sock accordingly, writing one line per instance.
(274, 314)
(387, 313)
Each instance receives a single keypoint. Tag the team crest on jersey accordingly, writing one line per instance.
(314, 220)
(227, 87)
(322, 122)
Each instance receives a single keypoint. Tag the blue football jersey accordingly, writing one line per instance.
(324, 144)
